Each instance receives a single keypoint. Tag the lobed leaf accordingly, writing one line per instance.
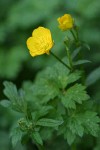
(45, 90)
(91, 122)
(75, 126)
(16, 98)
(75, 94)
(73, 77)
(10, 91)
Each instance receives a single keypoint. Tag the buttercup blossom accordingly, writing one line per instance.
(65, 22)
(41, 41)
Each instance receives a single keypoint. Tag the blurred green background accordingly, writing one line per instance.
(18, 18)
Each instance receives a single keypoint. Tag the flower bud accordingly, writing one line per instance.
(66, 22)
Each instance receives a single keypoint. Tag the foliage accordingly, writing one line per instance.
(48, 93)
(59, 89)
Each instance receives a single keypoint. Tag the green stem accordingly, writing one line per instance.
(69, 58)
(40, 147)
(73, 147)
(77, 35)
(75, 38)
(60, 60)
(28, 115)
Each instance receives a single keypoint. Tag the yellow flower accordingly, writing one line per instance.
(41, 41)
(65, 22)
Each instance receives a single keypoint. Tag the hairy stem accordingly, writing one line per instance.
(73, 147)
(74, 36)
(60, 60)
(40, 147)
(69, 58)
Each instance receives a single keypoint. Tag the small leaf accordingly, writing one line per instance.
(37, 138)
(42, 112)
(75, 52)
(69, 136)
(10, 90)
(79, 62)
(25, 139)
(16, 135)
(49, 122)
(47, 133)
(85, 45)
(73, 77)
(93, 77)
(16, 98)
(5, 103)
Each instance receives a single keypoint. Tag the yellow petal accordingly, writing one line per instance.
(41, 41)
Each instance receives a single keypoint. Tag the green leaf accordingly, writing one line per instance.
(61, 74)
(91, 122)
(75, 52)
(37, 138)
(75, 94)
(10, 90)
(49, 122)
(85, 122)
(79, 62)
(42, 112)
(5, 103)
(16, 135)
(85, 45)
(47, 133)
(57, 75)
(17, 99)
(45, 90)
(93, 77)
(75, 126)
(73, 77)
(69, 136)
(24, 139)
(78, 124)
(65, 130)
